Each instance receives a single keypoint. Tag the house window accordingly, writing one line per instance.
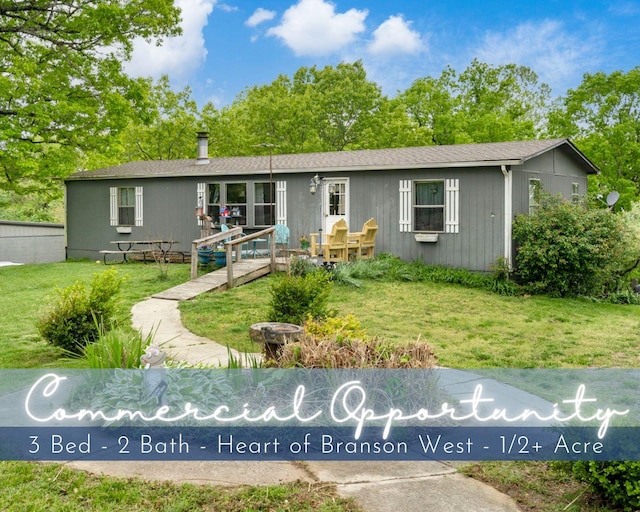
(230, 199)
(575, 192)
(535, 189)
(238, 203)
(337, 199)
(213, 201)
(264, 204)
(125, 206)
(429, 206)
(236, 194)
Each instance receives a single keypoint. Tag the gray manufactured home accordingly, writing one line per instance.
(444, 205)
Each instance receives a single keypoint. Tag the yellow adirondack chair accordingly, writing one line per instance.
(336, 247)
(362, 244)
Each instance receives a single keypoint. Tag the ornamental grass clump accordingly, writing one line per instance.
(117, 348)
(311, 352)
(341, 342)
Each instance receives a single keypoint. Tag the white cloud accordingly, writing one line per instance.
(226, 7)
(178, 56)
(395, 36)
(313, 28)
(259, 16)
(546, 47)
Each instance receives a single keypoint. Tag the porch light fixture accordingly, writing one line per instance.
(317, 181)
(313, 184)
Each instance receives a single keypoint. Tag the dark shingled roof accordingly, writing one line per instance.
(425, 157)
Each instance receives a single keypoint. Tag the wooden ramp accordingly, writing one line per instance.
(243, 272)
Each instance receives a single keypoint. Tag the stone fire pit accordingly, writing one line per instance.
(273, 335)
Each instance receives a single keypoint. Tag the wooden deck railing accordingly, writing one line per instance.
(233, 240)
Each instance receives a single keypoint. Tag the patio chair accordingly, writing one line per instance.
(362, 244)
(282, 239)
(243, 247)
(337, 245)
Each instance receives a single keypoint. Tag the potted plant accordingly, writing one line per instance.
(204, 255)
(304, 242)
(220, 255)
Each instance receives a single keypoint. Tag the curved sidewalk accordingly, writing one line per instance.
(428, 486)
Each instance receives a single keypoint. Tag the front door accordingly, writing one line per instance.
(336, 202)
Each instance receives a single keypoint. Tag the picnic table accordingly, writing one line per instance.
(143, 247)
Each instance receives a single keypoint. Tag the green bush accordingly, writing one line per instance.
(617, 481)
(567, 250)
(295, 297)
(342, 327)
(76, 314)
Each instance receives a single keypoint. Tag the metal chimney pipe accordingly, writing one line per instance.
(203, 148)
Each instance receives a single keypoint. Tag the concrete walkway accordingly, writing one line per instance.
(376, 486)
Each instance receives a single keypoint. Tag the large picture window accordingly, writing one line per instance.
(258, 204)
(429, 204)
(264, 204)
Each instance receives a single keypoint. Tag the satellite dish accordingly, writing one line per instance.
(612, 198)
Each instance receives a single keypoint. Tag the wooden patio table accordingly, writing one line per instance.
(126, 247)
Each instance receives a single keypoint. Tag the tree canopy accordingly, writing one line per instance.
(66, 104)
(62, 87)
(602, 116)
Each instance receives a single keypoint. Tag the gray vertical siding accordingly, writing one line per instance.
(556, 172)
(169, 208)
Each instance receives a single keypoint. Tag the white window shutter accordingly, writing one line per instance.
(113, 206)
(452, 206)
(139, 208)
(281, 202)
(405, 206)
(201, 199)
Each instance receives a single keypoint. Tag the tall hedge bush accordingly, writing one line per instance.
(567, 249)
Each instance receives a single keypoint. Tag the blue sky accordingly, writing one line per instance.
(227, 46)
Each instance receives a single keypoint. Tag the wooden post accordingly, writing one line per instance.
(194, 260)
(272, 250)
(229, 247)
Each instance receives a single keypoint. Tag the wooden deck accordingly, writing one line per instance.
(244, 271)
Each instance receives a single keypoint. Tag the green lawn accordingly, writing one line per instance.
(27, 289)
(468, 329)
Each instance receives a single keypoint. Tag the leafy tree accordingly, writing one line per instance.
(167, 131)
(602, 115)
(328, 109)
(346, 105)
(499, 103)
(429, 103)
(483, 104)
(278, 113)
(62, 88)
